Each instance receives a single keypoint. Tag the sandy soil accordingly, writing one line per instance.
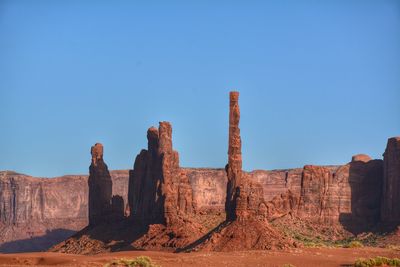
(308, 257)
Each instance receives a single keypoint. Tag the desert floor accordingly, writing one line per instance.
(298, 257)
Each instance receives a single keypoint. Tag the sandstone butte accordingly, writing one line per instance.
(159, 205)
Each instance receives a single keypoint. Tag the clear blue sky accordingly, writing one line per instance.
(319, 80)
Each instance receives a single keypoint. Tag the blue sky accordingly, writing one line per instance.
(319, 80)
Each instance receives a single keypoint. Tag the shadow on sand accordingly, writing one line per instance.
(37, 243)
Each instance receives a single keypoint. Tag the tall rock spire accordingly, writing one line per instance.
(234, 167)
(246, 225)
(100, 187)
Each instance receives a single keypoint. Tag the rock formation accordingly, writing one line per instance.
(68, 209)
(361, 157)
(145, 192)
(244, 196)
(234, 166)
(314, 197)
(158, 189)
(100, 187)
(281, 205)
(209, 190)
(246, 225)
(365, 181)
(36, 213)
(168, 206)
(390, 209)
(160, 194)
(347, 195)
(346, 198)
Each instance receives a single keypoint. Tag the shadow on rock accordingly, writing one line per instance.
(365, 179)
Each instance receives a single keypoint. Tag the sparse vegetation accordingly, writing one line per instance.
(394, 247)
(141, 261)
(209, 221)
(354, 244)
(377, 261)
(312, 235)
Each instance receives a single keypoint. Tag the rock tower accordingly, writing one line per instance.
(100, 187)
(234, 166)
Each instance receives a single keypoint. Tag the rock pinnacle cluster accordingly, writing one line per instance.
(167, 206)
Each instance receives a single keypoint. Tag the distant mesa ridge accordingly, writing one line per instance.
(162, 206)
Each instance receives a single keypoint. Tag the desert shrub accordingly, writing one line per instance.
(377, 261)
(310, 244)
(354, 244)
(141, 261)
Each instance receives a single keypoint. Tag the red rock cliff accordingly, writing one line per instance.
(390, 210)
(348, 194)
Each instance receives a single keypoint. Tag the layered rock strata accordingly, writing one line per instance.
(347, 194)
(36, 213)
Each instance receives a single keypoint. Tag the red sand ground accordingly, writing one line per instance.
(307, 257)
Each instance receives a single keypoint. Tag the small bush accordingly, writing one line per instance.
(311, 244)
(141, 261)
(377, 261)
(354, 244)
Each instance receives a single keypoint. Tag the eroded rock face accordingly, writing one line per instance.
(281, 205)
(209, 186)
(390, 210)
(348, 194)
(314, 198)
(209, 189)
(175, 184)
(276, 182)
(35, 213)
(250, 202)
